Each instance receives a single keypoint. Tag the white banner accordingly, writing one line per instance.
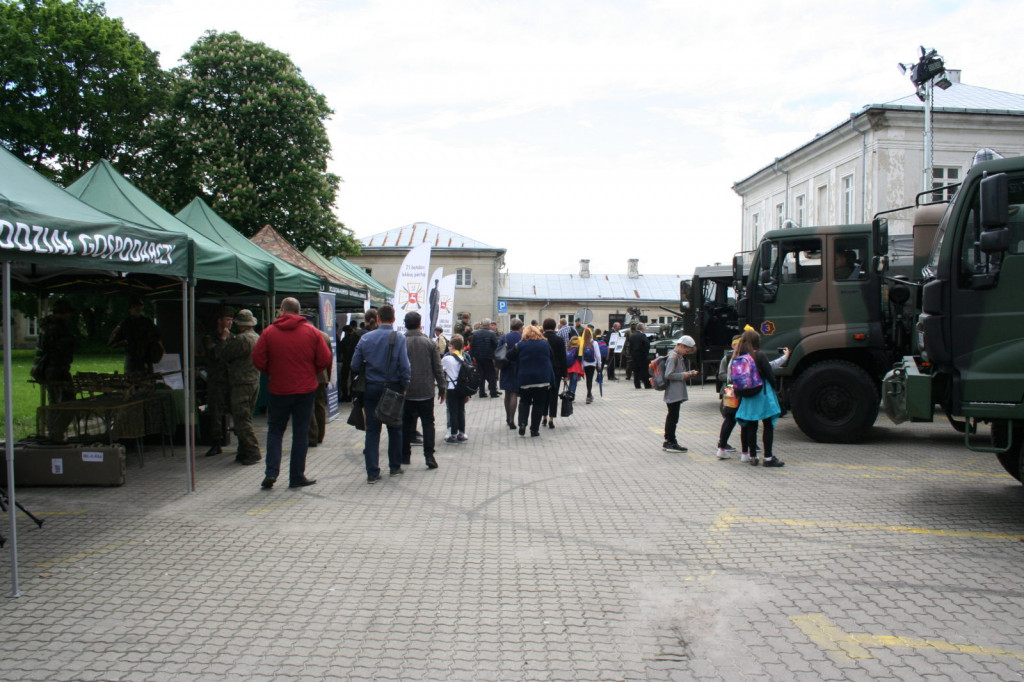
(411, 285)
(447, 305)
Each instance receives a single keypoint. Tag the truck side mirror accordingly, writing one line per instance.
(765, 255)
(880, 236)
(995, 201)
(737, 269)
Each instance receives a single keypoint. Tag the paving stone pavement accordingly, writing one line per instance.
(585, 554)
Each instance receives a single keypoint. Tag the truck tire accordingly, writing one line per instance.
(1013, 459)
(835, 401)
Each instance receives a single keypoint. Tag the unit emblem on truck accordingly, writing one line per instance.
(767, 327)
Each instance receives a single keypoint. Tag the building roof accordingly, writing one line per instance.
(593, 288)
(958, 98)
(409, 236)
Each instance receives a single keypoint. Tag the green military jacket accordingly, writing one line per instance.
(237, 355)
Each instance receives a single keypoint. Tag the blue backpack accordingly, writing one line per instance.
(588, 353)
(746, 380)
(604, 349)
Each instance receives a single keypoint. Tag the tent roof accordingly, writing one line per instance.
(43, 225)
(379, 294)
(271, 240)
(108, 190)
(288, 279)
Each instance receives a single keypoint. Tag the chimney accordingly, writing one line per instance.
(953, 75)
(633, 268)
(584, 268)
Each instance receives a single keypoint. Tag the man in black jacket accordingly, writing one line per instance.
(639, 348)
(484, 343)
(425, 364)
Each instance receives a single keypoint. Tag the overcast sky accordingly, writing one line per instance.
(565, 129)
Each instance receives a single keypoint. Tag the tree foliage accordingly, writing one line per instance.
(246, 132)
(76, 85)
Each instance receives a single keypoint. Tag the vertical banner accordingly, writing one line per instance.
(411, 285)
(447, 305)
(433, 315)
(328, 325)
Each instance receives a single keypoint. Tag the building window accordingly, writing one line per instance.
(942, 176)
(848, 199)
(369, 271)
(821, 205)
(31, 327)
(570, 318)
(755, 228)
(780, 215)
(800, 200)
(517, 316)
(464, 277)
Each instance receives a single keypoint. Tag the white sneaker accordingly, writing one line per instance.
(462, 437)
(722, 454)
(745, 457)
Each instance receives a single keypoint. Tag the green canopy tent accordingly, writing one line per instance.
(378, 293)
(287, 278)
(44, 233)
(218, 271)
(348, 293)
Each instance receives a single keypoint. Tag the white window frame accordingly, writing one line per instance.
(570, 317)
(463, 278)
(801, 199)
(941, 177)
(780, 215)
(821, 204)
(849, 200)
(517, 316)
(755, 228)
(31, 327)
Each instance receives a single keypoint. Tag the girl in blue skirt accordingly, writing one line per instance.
(763, 407)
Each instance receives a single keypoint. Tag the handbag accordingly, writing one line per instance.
(359, 382)
(501, 356)
(356, 418)
(567, 397)
(391, 406)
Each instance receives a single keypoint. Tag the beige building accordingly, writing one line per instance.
(874, 161)
(609, 297)
(476, 265)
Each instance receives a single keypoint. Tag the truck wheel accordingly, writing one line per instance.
(834, 401)
(1012, 460)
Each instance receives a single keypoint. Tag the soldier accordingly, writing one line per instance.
(463, 327)
(140, 339)
(245, 385)
(218, 390)
(55, 351)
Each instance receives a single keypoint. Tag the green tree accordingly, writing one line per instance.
(77, 87)
(246, 132)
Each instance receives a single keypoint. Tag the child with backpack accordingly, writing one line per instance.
(730, 403)
(753, 379)
(675, 389)
(457, 372)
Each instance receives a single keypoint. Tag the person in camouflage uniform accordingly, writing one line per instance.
(218, 389)
(55, 351)
(244, 380)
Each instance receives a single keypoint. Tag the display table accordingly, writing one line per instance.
(122, 418)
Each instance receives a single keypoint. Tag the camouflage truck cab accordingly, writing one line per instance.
(820, 292)
(971, 328)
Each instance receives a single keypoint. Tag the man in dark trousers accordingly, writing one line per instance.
(290, 351)
(218, 386)
(484, 343)
(386, 365)
(639, 348)
(425, 365)
(55, 350)
(140, 339)
(244, 379)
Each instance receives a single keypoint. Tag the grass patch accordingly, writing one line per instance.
(26, 396)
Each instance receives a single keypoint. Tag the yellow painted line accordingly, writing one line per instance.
(798, 523)
(57, 513)
(903, 470)
(72, 558)
(272, 507)
(844, 645)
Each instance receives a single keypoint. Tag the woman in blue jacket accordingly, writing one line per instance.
(535, 376)
(508, 383)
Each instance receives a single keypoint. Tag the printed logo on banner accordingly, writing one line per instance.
(57, 466)
(88, 456)
(409, 296)
(446, 303)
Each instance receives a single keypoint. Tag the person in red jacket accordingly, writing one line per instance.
(291, 352)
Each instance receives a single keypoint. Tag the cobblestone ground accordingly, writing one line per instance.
(584, 554)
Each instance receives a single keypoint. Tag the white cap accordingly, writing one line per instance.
(687, 341)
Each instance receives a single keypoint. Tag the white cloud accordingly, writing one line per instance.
(568, 129)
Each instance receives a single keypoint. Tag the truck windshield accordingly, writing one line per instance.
(931, 268)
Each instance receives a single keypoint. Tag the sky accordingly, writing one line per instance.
(605, 130)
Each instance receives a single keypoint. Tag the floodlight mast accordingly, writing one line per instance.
(929, 71)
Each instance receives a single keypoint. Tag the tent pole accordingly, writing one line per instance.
(187, 311)
(12, 508)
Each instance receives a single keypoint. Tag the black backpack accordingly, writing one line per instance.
(468, 380)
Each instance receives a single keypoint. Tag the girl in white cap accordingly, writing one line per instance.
(675, 389)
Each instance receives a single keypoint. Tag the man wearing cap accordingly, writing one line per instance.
(244, 380)
(676, 375)
(218, 390)
(140, 339)
(55, 351)
(484, 343)
(291, 352)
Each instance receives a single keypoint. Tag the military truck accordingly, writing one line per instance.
(829, 295)
(969, 339)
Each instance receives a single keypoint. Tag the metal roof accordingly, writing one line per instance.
(593, 288)
(419, 233)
